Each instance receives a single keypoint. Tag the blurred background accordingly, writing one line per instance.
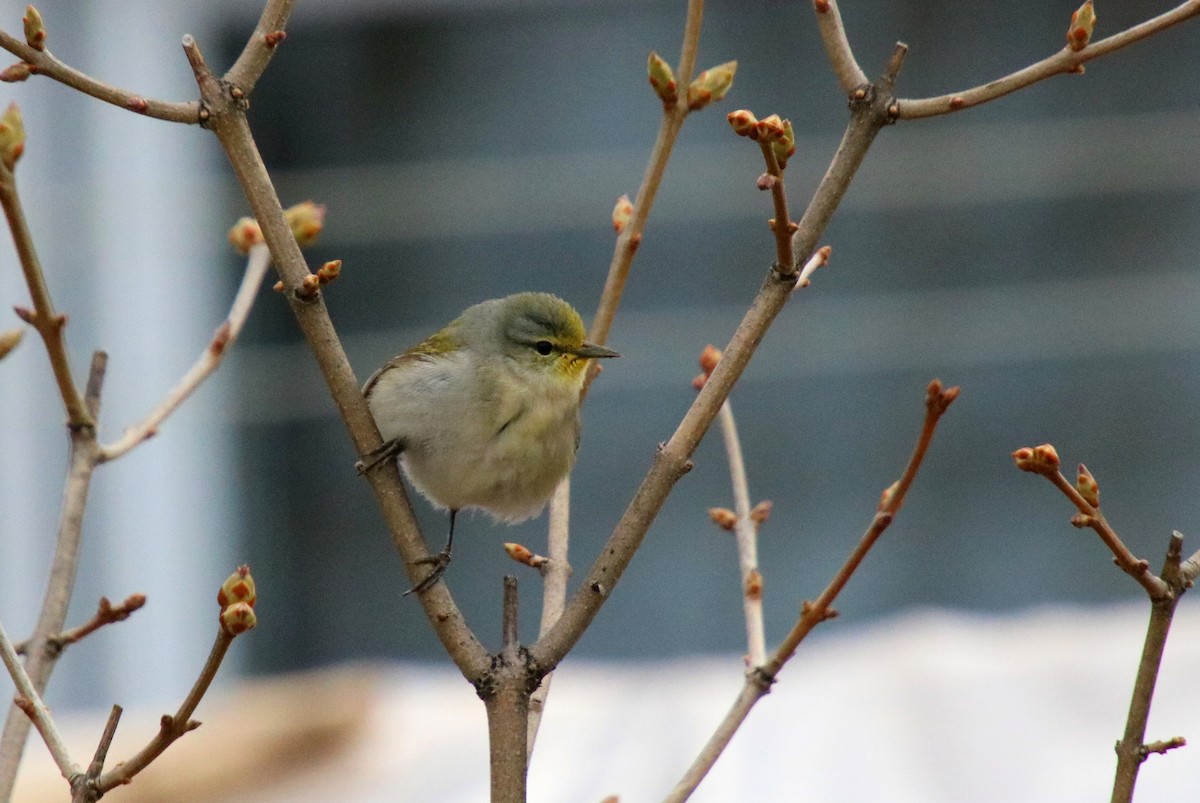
(1038, 251)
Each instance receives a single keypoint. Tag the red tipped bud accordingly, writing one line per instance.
(329, 271)
(245, 234)
(35, 29)
(274, 38)
(621, 213)
(306, 219)
(710, 85)
(723, 517)
(238, 587)
(1039, 459)
(744, 123)
(1083, 22)
(12, 136)
(709, 357)
(761, 512)
(785, 145)
(238, 618)
(16, 73)
(1087, 486)
(754, 585)
(662, 78)
(770, 129)
(889, 493)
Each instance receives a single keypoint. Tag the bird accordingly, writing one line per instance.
(484, 413)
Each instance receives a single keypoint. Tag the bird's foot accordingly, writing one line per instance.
(439, 562)
(387, 451)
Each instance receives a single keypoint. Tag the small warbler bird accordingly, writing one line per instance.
(484, 414)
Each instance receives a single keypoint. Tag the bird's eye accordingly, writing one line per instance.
(544, 347)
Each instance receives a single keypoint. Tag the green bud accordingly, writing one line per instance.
(12, 136)
(9, 339)
(785, 145)
(238, 587)
(1083, 22)
(662, 78)
(35, 29)
(306, 219)
(710, 85)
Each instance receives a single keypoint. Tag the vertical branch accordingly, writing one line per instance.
(745, 529)
(1131, 749)
(505, 695)
(555, 573)
(41, 653)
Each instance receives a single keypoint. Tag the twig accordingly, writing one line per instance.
(258, 262)
(106, 614)
(1131, 750)
(556, 572)
(837, 46)
(746, 533)
(759, 680)
(84, 788)
(668, 131)
(504, 690)
(1043, 460)
(30, 702)
(1064, 61)
(227, 121)
(171, 727)
(44, 63)
(42, 656)
(673, 458)
(781, 225)
(260, 47)
(48, 322)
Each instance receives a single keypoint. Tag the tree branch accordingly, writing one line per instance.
(837, 46)
(260, 47)
(258, 262)
(759, 679)
(44, 63)
(1131, 749)
(48, 322)
(1064, 61)
(106, 614)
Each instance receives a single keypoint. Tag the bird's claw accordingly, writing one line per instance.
(439, 562)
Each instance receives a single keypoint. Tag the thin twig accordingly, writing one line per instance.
(260, 47)
(44, 63)
(759, 680)
(42, 655)
(673, 458)
(781, 225)
(1043, 460)
(171, 727)
(48, 322)
(746, 533)
(668, 132)
(1064, 61)
(30, 702)
(227, 120)
(257, 264)
(1131, 749)
(837, 46)
(84, 788)
(556, 572)
(106, 614)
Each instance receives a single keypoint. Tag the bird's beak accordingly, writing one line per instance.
(592, 351)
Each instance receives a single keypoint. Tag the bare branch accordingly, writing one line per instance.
(258, 262)
(42, 655)
(260, 47)
(48, 322)
(106, 614)
(556, 572)
(1043, 460)
(30, 701)
(1064, 61)
(781, 225)
(171, 727)
(746, 533)
(668, 131)
(1131, 750)
(759, 679)
(44, 63)
(837, 46)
